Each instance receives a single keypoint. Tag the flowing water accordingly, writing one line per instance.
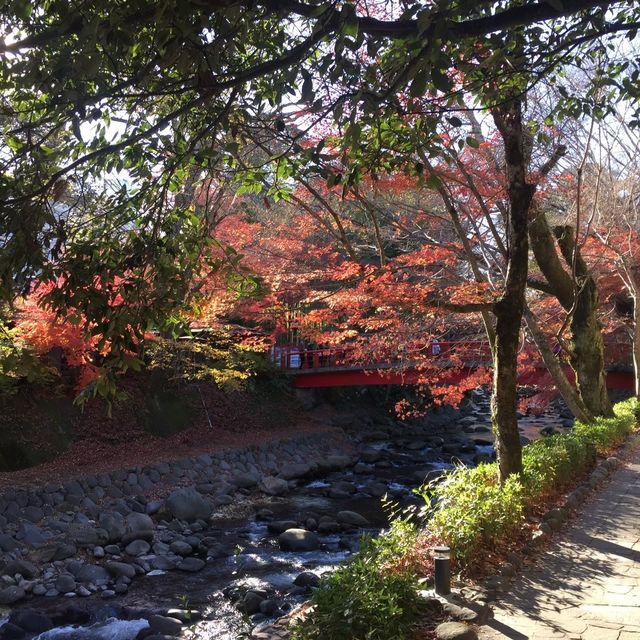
(258, 563)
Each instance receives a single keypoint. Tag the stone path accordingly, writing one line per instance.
(587, 583)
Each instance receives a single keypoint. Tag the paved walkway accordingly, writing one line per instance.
(587, 583)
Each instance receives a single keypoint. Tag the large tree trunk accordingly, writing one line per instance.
(579, 297)
(569, 394)
(509, 309)
(587, 349)
(636, 341)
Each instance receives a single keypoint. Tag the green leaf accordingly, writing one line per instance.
(472, 142)
(441, 80)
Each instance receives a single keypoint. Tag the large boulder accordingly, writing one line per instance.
(114, 524)
(7, 542)
(31, 620)
(139, 527)
(91, 574)
(23, 567)
(273, 486)
(294, 470)
(86, 535)
(244, 480)
(189, 505)
(164, 625)
(11, 595)
(121, 569)
(352, 519)
(298, 540)
(455, 631)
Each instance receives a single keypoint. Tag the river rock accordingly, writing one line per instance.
(185, 615)
(191, 564)
(352, 518)
(370, 455)
(307, 579)
(280, 526)
(294, 470)
(64, 550)
(455, 631)
(25, 568)
(163, 563)
(189, 505)
(273, 486)
(181, 548)
(298, 540)
(137, 548)
(119, 569)
(164, 625)
(114, 524)
(337, 461)
(342, 489)
(11, 595)
(10, 631)
(86, 535)
(31, 620)
(7, 542)
(92, 574)
(65, 583)
(139, 527)
(31, 534)
(269, 607)
(244, 480)
(251, 602)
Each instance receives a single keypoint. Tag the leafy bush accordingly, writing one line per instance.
(374, 596)
(367, 598)
(471, 510)
(554, 461)
(605, 433)
(18, 362)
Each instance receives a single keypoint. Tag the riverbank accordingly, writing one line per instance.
(241, 534)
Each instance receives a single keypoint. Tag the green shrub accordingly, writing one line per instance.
(605, 433)
(367, 598)
(472, 510)
(554, 461)
(19, 363)
(374, 596)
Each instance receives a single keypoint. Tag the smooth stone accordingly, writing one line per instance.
(298, 540)
(188, 505)
(164, 625)
(273, 486)
(31, 620)
(11, 595)
(181, 548)
(137, 548)
(455, 631)
(191, 564)
(118, 569)
(352, 518)
(9, 631)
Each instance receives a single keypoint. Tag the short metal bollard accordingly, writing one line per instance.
(442, 570)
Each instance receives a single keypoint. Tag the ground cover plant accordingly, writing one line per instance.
(374, 596)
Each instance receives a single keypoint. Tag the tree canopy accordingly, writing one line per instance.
(119, 119)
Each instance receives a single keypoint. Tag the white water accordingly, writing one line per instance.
(317, 484)
(111, 629)
(396, 487)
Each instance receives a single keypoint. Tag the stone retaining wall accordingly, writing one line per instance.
(236, 467)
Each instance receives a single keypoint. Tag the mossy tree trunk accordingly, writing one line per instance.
(577, 292)
(509, 309)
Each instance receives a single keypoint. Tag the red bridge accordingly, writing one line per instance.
(335, 366)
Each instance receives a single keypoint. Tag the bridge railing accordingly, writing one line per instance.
(291, 357)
